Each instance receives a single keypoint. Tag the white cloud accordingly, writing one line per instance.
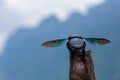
(3, 39)
(30, 11)
(17, 13)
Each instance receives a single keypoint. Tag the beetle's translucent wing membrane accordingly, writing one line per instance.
(99, 41)
(54, 43)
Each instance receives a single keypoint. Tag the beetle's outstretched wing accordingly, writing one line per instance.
(54, 43)
(100, 41)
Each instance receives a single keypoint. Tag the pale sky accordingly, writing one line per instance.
(18, 13)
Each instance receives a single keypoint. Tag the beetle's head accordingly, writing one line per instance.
(75, 42)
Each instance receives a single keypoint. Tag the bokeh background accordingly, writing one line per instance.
(26, 24)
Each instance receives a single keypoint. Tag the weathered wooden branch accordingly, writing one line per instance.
(81, 66)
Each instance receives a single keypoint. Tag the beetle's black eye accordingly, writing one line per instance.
(69, 38)
(81, 37)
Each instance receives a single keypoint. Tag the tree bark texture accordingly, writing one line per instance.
(81, 66)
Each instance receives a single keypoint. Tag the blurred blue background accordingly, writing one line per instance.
(23, 58)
